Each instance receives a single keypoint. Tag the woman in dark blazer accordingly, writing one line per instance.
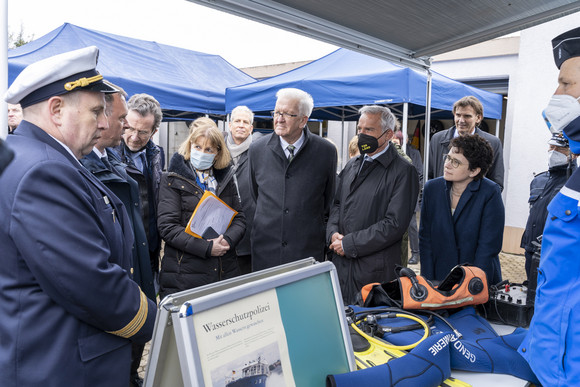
(462, 214)
(202, 163)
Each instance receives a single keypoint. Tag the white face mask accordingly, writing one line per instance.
(201, 161)
(556, 159)
(561, 110)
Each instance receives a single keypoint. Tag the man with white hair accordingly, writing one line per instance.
(375, 200)
(292, 173)
(69, 307)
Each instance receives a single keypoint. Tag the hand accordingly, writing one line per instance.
(220, 246)
(336, 243)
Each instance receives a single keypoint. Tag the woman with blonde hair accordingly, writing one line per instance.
(203, 163)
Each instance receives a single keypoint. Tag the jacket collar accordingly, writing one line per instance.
(182, 167)
(470, 190)
(274, 143)
(28, 129)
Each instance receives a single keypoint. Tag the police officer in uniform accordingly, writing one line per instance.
(552, 344)
(69, 307)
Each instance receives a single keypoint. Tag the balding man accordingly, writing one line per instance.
(69, 307)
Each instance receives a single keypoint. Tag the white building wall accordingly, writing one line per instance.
(477, 68)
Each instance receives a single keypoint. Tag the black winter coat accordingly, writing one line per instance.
(292, 199)
(187, 262)
(372, 213)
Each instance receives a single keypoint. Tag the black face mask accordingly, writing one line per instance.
(368, 144)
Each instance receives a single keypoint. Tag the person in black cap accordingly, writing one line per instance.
(69, 307)
(543, 188)
(552, 344)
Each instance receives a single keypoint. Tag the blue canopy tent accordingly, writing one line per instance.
(186, 83)
(344, 79)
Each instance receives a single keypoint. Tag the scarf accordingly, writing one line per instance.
(235, 149)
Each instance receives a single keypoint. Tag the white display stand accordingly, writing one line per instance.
(286, 322)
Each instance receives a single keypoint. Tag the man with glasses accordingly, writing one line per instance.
(292, 175)
(144, 160)
(467, 115)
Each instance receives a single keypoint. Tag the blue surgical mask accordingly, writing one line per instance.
(201, 161)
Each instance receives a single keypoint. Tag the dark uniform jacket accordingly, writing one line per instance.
(473, 234)
(543, 188)
(127, 190)
(69, 307)
(187, 262)
(439, 146)
(148, 181)
(292, 199)
(372, 213)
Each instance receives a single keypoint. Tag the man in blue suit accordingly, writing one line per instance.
(106, 165)
(69, 307)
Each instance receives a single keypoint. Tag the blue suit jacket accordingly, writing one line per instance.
(69, 308)
(474, 233)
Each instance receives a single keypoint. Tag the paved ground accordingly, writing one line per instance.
(512, 268)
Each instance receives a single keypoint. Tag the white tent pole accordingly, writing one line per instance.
(4, 68)
(320, 128)
(404, 126)
(427, 125)
(342, 144)
(497, 128)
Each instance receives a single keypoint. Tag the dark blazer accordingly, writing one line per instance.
(127, 190)
(439, 146)
(243, 178)
(292, 199)
(148, 191)
(187, 261)
(473, 234)
(69, 308)
(372, 214)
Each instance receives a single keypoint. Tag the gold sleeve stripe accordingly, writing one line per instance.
(138, 321)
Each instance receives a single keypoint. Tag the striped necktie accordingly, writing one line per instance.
(291, 151)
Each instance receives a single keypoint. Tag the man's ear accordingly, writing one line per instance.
(303, 121)
(56, 109)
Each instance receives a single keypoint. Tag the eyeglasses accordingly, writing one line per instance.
(454, 162)
(282, 114)
(140, 133)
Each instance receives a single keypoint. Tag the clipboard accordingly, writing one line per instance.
(211, 217)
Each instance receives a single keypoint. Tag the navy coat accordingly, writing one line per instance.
(292, 199)
(69, 307)
(127, 190)
(473, 234)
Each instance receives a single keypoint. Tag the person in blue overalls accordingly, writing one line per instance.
(552, 345)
